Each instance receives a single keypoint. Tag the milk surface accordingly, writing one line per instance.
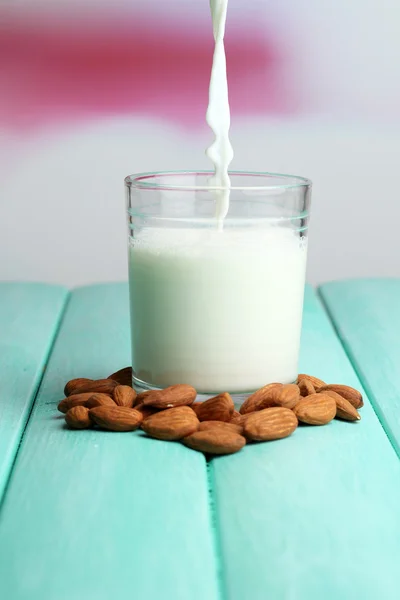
(220, 310)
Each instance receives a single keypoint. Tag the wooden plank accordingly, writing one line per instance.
(29, 317)
(366, 314)
(98, 514)
(315, 515)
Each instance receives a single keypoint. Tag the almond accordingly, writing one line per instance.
(116, 418)
(236, 418)
(123, 376)
(74, 384)
(270, 424)
(306, 387)
(175, 395)
(124, 395)
(215, 441)
(102, 386)
(317, 383)
(99, 400)
(218, 408)
(146, 411)
(78, 418)
(256, 400)
(196, 406)
(349, 393)
(171, 424)
(288, 396)
(316, 409)
(74, 400)
(204, 425)
(140, 397)
(344, 409)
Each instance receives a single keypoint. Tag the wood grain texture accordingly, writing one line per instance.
(314, 515)
(29, 317)
(366, 314)
(100, 515)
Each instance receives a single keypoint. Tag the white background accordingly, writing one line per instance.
(62, 200)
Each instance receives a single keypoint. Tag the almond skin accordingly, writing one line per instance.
(236, 418)
(289, 395)
(99, 400)
(306, 387)
(146, 411)
(316, 409)
(270, 424)
(215, 441)
(78, 418)
(123, 376)
(204, 425)
(171, 424)
(74, 384)
(218, 408)
(75, 400)
(116, 418)
(102, 386)
(140, 397)
(257, 400)
(124, 395)
(344, 409)
(175, 395)
(349, 393)
(317, 383)
(196, 406)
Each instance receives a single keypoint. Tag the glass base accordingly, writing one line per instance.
(143, 386)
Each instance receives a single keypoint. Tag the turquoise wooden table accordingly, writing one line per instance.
(97, 515)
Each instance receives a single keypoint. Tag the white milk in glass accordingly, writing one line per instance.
(218, 310)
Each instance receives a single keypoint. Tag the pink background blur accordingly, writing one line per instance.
(90, 93)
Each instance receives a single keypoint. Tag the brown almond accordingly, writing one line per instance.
(246, 416)
(218, 408)
(288, 396)
(171, 424)
(349, 393)
(215, 441)
(220, 425)
(344, 409)
(258, 399)
(146, 411)
(78, 418)
(116, 418)
(270, 424)
(74, 384)
(99, 400)
(306, 387)
(140, 397)
(316, 409)
(124, 395)
(102, 386)
(75, 400)
(123, 376)
(196, 406)
(170, 397)
(317, 383)
(236, 418)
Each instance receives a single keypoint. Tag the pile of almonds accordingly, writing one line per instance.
(213, 426)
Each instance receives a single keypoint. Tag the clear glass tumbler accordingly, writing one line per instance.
(216, 303)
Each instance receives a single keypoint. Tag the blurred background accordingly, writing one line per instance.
(91, 91)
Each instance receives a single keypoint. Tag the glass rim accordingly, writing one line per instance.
(143, 181)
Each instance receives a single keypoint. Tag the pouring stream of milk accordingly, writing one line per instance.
(218, 115)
